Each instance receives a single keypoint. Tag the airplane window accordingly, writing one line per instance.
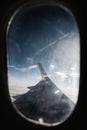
(43, 61)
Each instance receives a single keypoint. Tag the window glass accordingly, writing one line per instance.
(43, 56)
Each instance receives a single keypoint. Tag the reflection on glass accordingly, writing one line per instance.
(43, 63)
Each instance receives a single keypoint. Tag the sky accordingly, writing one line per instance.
(46, 34)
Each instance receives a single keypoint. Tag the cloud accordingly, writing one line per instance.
(52, 66)
(61, 74)
(25, 69)
(29, 60)
(73, 74)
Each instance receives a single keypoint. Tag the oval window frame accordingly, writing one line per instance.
(11, 17)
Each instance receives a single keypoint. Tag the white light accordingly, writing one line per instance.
(56, 92)
(73, 68)
(52, 66)
(61, 74)
(9, 23)
(40, 120)
(74, 75)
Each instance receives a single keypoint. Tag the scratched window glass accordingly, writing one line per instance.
(43, 61)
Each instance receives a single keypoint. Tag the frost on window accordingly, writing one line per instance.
(43, 56)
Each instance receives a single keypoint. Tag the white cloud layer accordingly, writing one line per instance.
(25, 69)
